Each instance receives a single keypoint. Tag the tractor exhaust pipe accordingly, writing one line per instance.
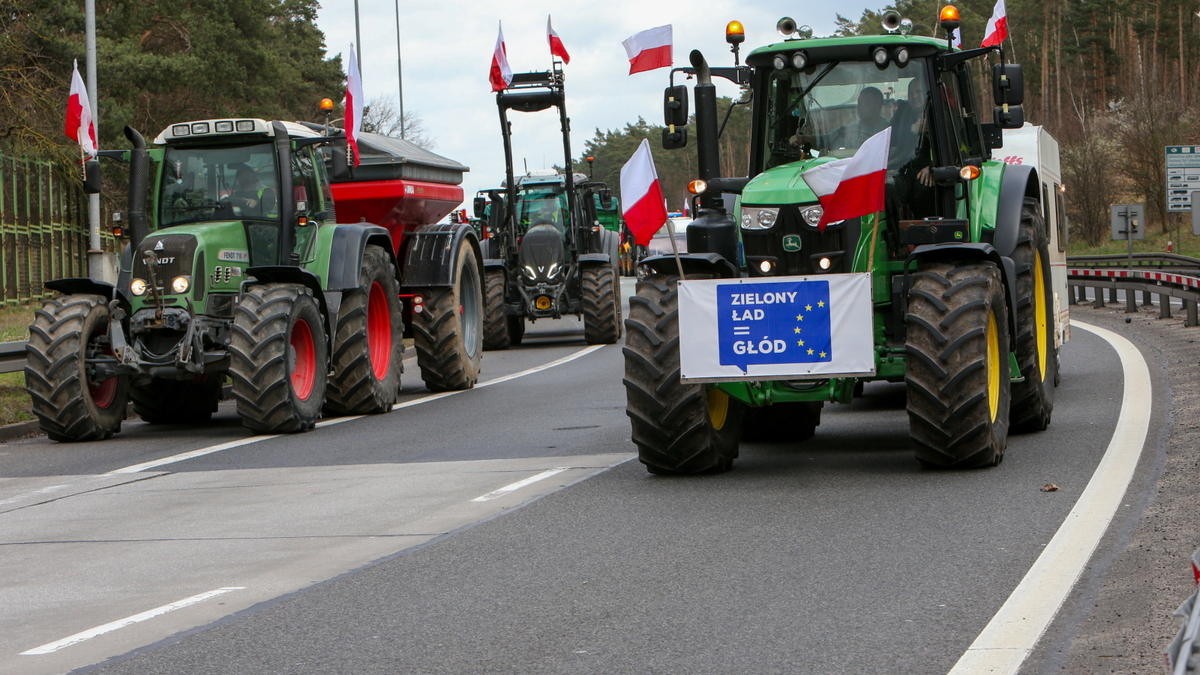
(139, 176)
(707, 151)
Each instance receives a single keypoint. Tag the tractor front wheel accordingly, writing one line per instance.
(368, 344)
(70, 402)
(448, 334)
(497, 333)
(678, 428)
(279, 359)
(958, 365)
(601, 305)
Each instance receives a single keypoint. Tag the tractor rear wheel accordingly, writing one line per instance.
(279, 359)
(497, 333)
(678, 428)
(69, 403)
(782, 422)
(448, 334)
(368, 344)
(958, 365)
(163, 401)
(601, 305)
(1033, 399)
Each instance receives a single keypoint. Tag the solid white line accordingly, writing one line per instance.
(338, 420)
(1016, 628)
(128, 621)
(520, 484)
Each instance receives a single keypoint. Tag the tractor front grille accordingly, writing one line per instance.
(760, 245)
(175, 255)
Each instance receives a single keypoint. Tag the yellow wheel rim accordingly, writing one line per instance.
(718, 408)
(993, 366)
(1040, 310)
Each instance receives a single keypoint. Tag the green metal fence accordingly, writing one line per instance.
(43, 228)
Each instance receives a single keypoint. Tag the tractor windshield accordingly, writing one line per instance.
(218, 183)
(829, 109)
(540, 207)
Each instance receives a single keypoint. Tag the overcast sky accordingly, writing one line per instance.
(447, 50)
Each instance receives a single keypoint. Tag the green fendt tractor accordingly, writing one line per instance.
(954, 296)
(549, 255)
(238, 270)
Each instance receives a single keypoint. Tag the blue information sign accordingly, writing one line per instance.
(774, 323)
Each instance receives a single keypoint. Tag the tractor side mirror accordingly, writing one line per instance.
(606, 201)
(675, 106)
(1011, 118)
(91, 177)
(480, 205)
(1008, 84)
(674, 140)
(341, 167)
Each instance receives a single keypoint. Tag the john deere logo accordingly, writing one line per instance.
(958, 234)
(791, 243)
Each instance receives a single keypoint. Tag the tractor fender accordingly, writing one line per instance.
(431, 254)
(977, 251)
(693, 263)
(346, 253)
(1020, 181)
(590, 258)
(329, 301)
(86, 286)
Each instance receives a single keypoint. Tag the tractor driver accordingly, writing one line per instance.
(850, 136)
(910, 182)
(251, 195)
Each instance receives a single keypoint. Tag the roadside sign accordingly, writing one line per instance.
(776, 328)
(1128, 218)
(1183, 176)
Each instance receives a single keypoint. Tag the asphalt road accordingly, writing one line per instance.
(360, 547)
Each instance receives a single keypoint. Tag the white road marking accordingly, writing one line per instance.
(1011, 635)
(127, 621)
(520, 484)
(338, 420)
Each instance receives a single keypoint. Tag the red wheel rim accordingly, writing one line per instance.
(103, 393)
(304, 360)
(379, 331)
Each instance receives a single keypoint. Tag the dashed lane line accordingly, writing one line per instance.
(520, 484)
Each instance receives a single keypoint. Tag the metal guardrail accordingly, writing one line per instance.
(12, 356)
(1183, 654)
(1159, 261)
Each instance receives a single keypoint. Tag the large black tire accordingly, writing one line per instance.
(65, 332)
(279, 359)
(1033, 399)
(163, 401)
(448, 334)
(782, 422)
(678, 428)
(368, 344)
(958, 365)
(601, 305)
(497, 334)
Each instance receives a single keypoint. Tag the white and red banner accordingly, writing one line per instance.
(650, 49)
(79, 126)
(997, 26)
(956, 37)
(352, 122)
(854, 186)
(642, 200)
(556, 43)
(501, 74)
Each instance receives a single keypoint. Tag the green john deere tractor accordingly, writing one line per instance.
(239, 271)
(958, 299)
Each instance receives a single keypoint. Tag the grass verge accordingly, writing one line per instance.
(14, 402)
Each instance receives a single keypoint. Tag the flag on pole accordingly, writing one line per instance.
(852, 187)
(354, 105)
(997, 26)
(556, 44)
(501, 74)
(649, 49)
(642, 201)
(956, 37)
(79, 126)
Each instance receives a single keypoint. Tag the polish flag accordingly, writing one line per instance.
(997, 26)
(556, 45)
(956, 37)
(642, 200)
(79, 126)
(650, 49)
(501, 74)
(852, 187)
(352, 121)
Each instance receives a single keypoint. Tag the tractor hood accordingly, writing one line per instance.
(212, 257)
(542, 255)
(782, 184)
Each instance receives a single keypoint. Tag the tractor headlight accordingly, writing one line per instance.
(799, 60)
(553, 271)
(812, 215)
(530, 273)
(180, 284)
(759, 218)
(780, 62)
(137, 287)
